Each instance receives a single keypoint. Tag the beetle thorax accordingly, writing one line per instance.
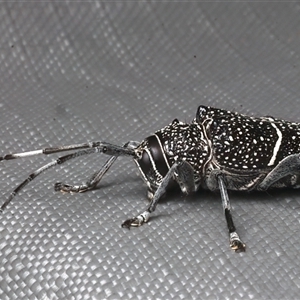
(174, 143)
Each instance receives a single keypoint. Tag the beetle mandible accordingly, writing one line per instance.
(218, 150)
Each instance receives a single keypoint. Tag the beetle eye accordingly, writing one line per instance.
(152, 162)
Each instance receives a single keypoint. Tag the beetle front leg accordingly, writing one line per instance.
(235, 242)
(93, 181)
(185, 179)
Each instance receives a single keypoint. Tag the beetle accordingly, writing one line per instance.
(219, 150)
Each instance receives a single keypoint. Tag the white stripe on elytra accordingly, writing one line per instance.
(277, 145)
(162, 151)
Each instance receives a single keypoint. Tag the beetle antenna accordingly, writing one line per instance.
(52, 150)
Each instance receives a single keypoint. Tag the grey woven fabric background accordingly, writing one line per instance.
(72, 72)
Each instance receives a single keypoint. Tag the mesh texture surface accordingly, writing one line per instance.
(73, 72)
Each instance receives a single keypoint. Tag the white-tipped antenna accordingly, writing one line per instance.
(47, 151)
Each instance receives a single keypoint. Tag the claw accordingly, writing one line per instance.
(131, 223)
(66, 188)
(236, 243)
(57, 186)
(61, 187)
(137, 221)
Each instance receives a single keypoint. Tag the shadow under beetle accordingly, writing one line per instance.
(218, 150)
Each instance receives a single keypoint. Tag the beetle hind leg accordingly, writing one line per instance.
(288, 168)
(235, 242)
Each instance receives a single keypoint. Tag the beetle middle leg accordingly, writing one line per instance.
(184, 176)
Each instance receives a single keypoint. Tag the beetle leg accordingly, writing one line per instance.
(290, 165)
(235, 242)
(41, 170)
(91, 182)
(94, 179)
(185, 179)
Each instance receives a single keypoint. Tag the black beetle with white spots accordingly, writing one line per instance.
(218, 150)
